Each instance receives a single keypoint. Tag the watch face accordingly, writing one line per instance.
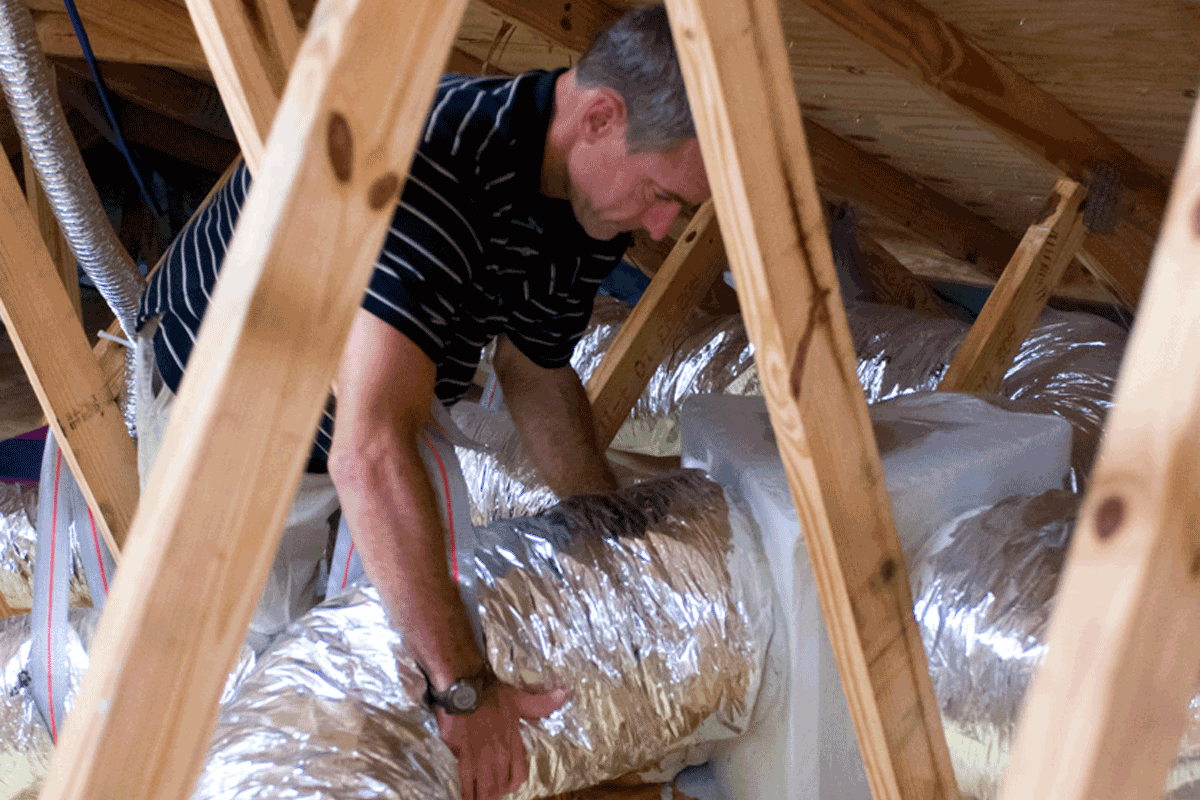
(464, 697)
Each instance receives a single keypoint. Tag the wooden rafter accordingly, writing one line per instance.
(893, 284)
(1020, 295)
(571, 24)
(248, 405)
(844, 170)
(1107, 707)
(938, 56)
(164, 91)
(147, 128)
(646, 338)
(250, 47)
(735, 65)
(50, 341)
(143, 31)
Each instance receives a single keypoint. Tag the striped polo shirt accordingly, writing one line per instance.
(474, 250)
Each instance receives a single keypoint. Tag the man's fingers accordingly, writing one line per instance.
(532, 705)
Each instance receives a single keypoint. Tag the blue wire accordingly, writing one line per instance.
(82, 36)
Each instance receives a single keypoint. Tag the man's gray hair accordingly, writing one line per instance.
(636, 57)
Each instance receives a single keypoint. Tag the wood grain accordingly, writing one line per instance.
(647, 337)
(572, 24)
(940, 57)
(1107, 707)
(845, 170)
(894, 284)
(250, 46)
(1020, 295)
(49, 339)
(143, 31)
(239, 434)
(734, 62)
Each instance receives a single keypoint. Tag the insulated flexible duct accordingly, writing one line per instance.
(653, 606)
(29, 88)
(984, 589)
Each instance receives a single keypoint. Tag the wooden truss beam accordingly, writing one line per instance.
(50, 341)
(1020, 295)
(844, 170)
(1106, 710)
(939, 57)
(143, 31)
(735, 65)
(161, 90)
(250, 46)
(647, 337)
(247, 408)
(147, 128)
(893, 284)
(571, 24)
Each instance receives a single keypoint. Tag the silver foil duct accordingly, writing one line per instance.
(18, 548)
(1066, 366)
(984, 590)
(29, 87)
(652, 605)
(25, 744)
(707, 356)
(500, 477)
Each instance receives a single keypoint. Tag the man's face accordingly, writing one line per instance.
(613, 191)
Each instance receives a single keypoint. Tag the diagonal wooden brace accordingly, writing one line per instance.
(1020, 295)
(647, 336)
(740, 87)
(240, 432)
(1104, 715)
(49, 338)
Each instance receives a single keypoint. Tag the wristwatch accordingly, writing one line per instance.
(464, 695)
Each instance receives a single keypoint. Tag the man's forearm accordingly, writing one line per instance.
(390, 508)
(554, 419)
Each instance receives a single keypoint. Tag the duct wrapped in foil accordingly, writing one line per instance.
(1066, 366)
(25, 743)
(709, 355)
(984, 590)
(652, 605)
(18, 511)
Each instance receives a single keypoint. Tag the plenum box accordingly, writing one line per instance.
(943, 454)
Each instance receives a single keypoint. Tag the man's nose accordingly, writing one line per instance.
(658, 218)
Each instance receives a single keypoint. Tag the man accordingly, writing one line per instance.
(518, 203)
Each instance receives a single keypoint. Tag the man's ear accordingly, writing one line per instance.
(604, 116)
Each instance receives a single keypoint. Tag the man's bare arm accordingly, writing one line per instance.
(385, 391)
(554, 419)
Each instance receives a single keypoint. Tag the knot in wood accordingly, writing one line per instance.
(340, 146)
(1109, 516)
(382, 190)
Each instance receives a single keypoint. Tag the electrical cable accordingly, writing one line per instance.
(90, 57)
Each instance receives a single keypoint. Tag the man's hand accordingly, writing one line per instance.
(487, 743)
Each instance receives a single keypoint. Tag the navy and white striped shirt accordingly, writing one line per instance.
(473, 251)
